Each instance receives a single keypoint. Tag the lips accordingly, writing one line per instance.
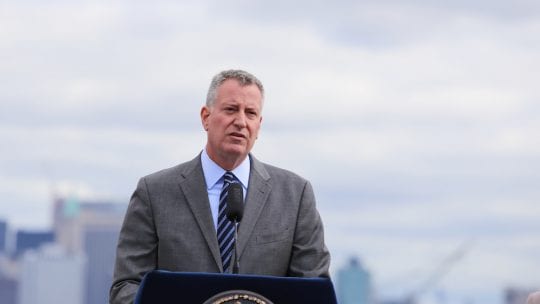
(237, 135)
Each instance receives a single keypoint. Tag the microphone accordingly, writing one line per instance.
(235, 212)
(235, 203)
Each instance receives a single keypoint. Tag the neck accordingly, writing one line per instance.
(227, 163)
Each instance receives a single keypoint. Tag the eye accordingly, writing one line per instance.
(229, 109)
(252, 113)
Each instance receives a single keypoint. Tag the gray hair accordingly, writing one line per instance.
(243, 77)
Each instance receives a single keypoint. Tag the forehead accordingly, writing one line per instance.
(232, 91)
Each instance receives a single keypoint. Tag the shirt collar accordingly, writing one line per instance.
(213, 172)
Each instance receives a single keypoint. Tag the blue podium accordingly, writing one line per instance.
(164, 287)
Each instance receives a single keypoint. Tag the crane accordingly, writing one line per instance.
(439, 272)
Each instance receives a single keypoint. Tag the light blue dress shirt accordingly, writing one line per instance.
(213, 174)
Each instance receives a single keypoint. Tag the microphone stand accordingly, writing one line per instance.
(236, 261)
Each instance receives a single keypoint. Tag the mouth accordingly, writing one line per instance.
(237, 135)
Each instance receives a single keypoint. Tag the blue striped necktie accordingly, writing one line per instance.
(225, 230)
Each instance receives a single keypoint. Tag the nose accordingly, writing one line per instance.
(240, 120)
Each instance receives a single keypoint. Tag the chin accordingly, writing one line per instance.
(236, 151)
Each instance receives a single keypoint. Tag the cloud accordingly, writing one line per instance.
(91, 162)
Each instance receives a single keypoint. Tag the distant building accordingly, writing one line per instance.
(26, 240)
(8, 290)
(91, 229)
(354, 284)
(49, 276)
(516, 295)
(100, 249)
(73, 217)
(3, 237)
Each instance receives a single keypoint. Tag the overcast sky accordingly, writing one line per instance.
(416, 121)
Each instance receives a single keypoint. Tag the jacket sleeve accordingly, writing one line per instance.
(136, 253)
(309, 257)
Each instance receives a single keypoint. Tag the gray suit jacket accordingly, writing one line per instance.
(169, 226)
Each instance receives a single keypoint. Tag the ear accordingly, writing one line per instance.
(205, 113)
(260, 123)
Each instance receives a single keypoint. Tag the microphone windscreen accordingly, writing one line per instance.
(235, 202)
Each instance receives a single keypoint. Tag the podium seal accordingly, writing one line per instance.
(238, 297)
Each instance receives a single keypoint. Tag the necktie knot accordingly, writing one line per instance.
(228, 178)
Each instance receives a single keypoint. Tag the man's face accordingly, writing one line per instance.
(232, 122)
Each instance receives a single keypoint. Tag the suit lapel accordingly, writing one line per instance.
(194, 188)
(257, 195)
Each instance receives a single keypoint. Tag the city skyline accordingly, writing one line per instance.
(70, 262)
(83, 249)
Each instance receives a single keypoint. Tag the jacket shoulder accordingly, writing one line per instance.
(284, 175)
(173, 173)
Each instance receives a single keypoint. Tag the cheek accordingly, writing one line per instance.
(216, 123)
(254, 132)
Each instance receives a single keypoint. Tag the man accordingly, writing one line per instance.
(172, 222)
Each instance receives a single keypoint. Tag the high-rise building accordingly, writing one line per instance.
(91, 229)
(26, 240)
(50, 276)
(100, 249)
(3, 237)
(8, 290)
(354, 284)
(516, 295)
(8, 283)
